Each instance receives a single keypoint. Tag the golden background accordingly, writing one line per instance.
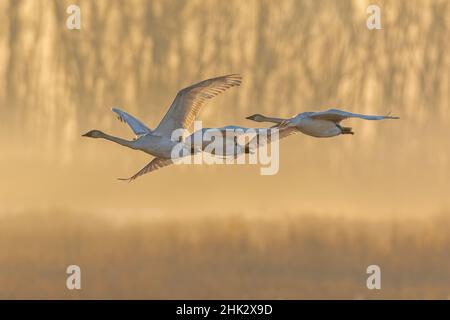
(336, 205)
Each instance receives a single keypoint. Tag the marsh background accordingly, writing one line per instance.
(335, 207)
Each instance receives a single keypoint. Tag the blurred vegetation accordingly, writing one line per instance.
(283, 257)
(294, 55)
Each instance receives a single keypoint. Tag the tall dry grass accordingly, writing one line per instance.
(229, 256)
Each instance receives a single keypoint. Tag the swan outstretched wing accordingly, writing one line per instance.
(339, 115)
(229, 132)
(137, 126)
(283, 132)
(155, 164)
(190, 100)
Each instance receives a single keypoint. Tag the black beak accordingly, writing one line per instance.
(84, 135)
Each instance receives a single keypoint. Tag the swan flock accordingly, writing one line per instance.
(168, 141)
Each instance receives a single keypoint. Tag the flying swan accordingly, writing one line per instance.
(181, 114)
(321, 124)
(236, 140)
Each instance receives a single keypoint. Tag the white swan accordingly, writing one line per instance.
(235, 140)
(181, 114)
(321, 124)
(227, 144)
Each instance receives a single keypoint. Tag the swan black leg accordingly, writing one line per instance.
(345, 130)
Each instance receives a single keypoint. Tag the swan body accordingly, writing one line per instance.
(203, 138)
(315, 127)
(323, 124)
(231, 138)
(158, 146)
(181, 114)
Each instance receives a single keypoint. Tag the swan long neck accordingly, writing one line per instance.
(122, 142)
(270, 119)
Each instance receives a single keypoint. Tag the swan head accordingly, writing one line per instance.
(256, 117)
(93, 134)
